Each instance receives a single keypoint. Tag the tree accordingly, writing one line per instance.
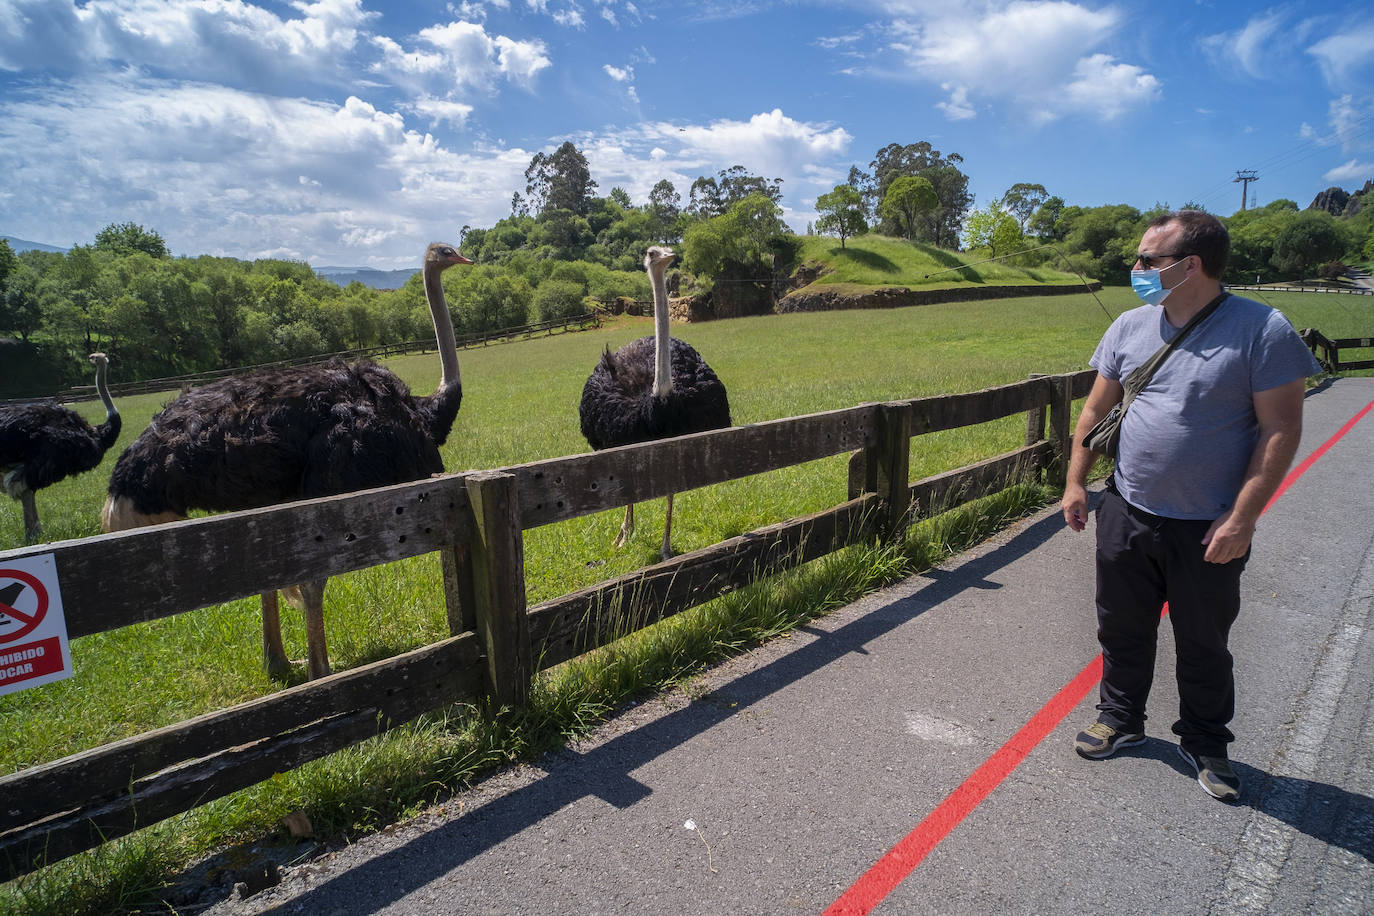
(992, 228)
(560, 180)
(1021, 200)
(941, 224)
(1044, 223)
(715, 196)
(664, 209)
(739, 237)
(842, 212)
(620, 197)
(1307, 241)
(908, 198)
(125, 238)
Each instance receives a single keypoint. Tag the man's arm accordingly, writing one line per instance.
(1279, 411)
(1104, 396)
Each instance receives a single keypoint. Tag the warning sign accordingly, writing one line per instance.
(33, 631)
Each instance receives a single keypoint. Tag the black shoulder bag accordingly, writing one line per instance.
(1105, 435)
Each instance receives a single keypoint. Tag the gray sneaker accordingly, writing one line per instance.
(1215, 774)
(1100, 740)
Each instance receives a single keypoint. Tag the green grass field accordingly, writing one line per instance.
(520, 404)
(875, 260)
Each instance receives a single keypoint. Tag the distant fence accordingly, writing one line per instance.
(176, 382)
(1328, 351)
(1353, 291)
(476, 522)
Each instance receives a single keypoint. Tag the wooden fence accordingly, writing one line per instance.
(1328, 352)
(464, 341)
(476, 522)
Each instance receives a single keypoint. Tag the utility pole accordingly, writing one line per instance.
(1244, 176)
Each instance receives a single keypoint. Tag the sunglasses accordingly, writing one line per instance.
(1151, 261)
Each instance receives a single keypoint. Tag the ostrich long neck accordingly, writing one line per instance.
(443, 325)
(104, 392)
(663, 355)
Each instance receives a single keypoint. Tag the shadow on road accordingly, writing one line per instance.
(604, 771)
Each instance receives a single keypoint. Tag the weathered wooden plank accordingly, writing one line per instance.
(569, 626)
(891, 457)
(498, 586)
(951, 411)
(942, 492)
(564, 488)
(1081, 383)
(113, 580)
(1060, 437)
(396, 689)
(179, 790)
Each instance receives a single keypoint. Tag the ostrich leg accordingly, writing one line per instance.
(312, 600)
(627, 527)
(667, 552)
(33, 529)
(273, 652)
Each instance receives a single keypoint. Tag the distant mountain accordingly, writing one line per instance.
(377, 279)
(25, 245)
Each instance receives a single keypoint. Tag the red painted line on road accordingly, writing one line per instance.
(890, 870)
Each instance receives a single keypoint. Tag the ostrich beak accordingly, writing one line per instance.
(459, 259)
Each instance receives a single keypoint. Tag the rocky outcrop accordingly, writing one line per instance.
(822, 299)
(1332, 200)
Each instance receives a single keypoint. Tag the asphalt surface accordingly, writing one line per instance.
(776, 781)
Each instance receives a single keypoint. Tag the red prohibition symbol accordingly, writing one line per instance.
(27, 622)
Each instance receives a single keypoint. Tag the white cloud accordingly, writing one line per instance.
(460, 54)
(329, 183)
(1037, 56)
(958, 107)
(1352, 171)
(226, 40)
(442, 111)
(1252, 48)
(620, 75)
(571, 17)
(1346, 55)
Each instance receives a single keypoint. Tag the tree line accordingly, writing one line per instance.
(561, 247)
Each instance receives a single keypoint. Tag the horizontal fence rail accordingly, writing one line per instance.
(475, 521)
(1328, 351)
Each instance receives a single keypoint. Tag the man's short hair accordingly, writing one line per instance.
(1201, 234)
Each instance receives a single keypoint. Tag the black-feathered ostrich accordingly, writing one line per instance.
(41, 444)
(288, 434)
(652, 388)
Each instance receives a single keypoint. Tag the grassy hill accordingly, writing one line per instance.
(869, 261)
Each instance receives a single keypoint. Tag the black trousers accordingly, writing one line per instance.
(1144, 560)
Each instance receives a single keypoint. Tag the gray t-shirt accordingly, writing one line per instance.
(1188, 437)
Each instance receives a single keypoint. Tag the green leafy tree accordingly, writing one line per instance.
(1310, 239)
(8, 262)
(842, 212)
(558, 299)
(993, 229)
(715, 196)
(940, 225)
(665, 206)
(743, 236)
(621, 198)
(1044, 222)
(1022, 200)
(908, 199)
(125, 238)
(560, 180)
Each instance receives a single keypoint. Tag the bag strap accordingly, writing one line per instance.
(1141, 375)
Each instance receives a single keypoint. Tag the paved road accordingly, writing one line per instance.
(776, 782)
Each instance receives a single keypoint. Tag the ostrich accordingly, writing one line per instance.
(652, 388)
(41, 444)
(287, 434)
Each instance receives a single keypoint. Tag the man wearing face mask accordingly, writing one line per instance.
(1203, 447)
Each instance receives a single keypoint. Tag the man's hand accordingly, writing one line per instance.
(1075, 506)
(1227, 539)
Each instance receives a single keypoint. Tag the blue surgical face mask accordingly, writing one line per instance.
(1150, 287)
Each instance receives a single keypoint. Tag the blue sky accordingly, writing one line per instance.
(353, 132)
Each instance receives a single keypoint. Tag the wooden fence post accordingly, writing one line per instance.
(1061, 408)
(889, 468)
(458, 588)
(1035, 418)
(498, 586)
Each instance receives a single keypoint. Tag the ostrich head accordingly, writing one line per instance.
(443, 256)
(658, 255)
(99, 360)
